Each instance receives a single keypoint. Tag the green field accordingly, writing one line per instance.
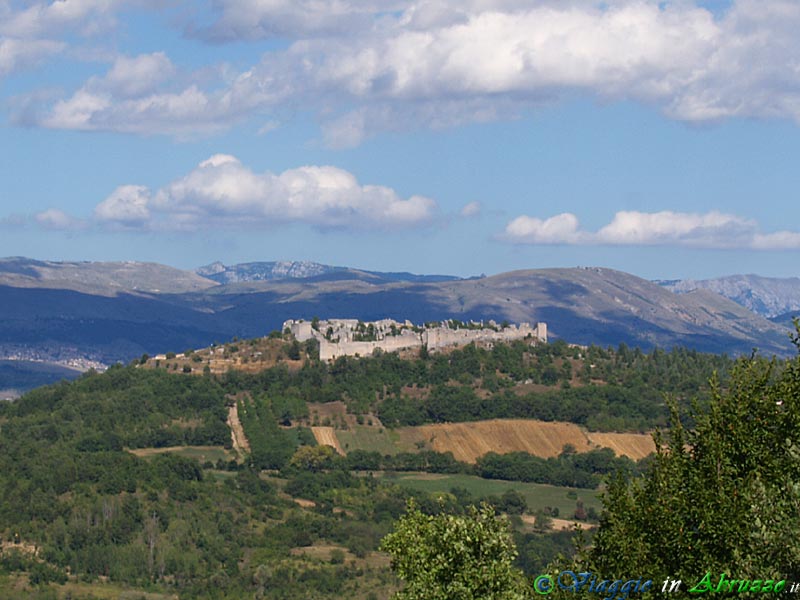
(198, 453)
(13, 587)
(364, 437)
(537, 495)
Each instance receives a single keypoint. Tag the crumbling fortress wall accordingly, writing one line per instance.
(350, 337)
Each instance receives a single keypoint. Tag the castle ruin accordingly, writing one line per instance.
(351, 337)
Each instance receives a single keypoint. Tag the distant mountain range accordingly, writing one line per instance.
(111, 312)
(771, 297)
(271, 271)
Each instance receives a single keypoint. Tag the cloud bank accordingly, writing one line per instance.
(666, 228)
(222, 193)
(371, 66)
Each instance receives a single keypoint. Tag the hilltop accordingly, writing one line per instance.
(108, 312)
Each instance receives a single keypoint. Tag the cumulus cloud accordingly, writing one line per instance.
(127, 206)
(128, 98)
(223, 193)
(376, 65)
(665, 228)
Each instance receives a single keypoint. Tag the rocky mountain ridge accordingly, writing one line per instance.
(767, 296)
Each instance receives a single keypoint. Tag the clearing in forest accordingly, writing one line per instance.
(469, 441)
(326, 436)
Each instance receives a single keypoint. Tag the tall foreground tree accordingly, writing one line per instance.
(455, 557)
(722, 496)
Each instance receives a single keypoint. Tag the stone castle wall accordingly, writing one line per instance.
(392, 336)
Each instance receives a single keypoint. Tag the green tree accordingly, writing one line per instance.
(722, 496)
(450, 557)
(312, 458)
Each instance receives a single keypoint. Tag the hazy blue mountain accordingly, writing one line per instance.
(786, 319)
(582, 305)
(101, 278)
(278, 270)
(766, 296)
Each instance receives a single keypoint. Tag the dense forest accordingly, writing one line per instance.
(89, 496)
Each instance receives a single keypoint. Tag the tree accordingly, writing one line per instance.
(449, 557)
(293, 351)
(312, 458)
(722, 496)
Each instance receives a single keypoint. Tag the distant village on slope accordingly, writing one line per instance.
(351, 337)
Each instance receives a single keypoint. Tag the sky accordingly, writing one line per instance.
(434, 136)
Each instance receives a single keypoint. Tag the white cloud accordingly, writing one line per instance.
(712, 229)
(127, 206)
(128, 99)
(666, 228)
(222, 188)
(222, 193)
(471, 209)
(36, 30)
(43, 19)
(780, 240)
(372, 65)
(560, 229)
(20, 53)
(138, 75)
(52, 218)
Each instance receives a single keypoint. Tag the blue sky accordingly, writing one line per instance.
(433, 136)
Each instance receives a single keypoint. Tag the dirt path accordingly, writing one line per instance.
(240, 443)
(326, 436)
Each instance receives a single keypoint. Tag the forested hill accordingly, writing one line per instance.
(129, 479)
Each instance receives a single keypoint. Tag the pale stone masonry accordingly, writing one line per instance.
(350, 337)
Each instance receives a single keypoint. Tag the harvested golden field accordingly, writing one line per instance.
(468, 441)
(326, 436)
(632, 445)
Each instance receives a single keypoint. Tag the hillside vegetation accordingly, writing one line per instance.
(603, 389)
(129, 479)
